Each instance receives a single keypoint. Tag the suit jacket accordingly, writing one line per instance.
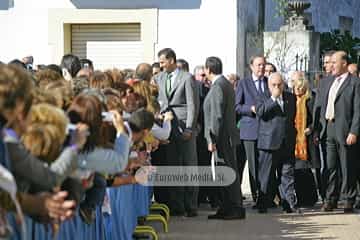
(347, 108)
(247, 96)
(277, 127)
(183, 99)
(202, 91)
(313, 150)
(219, 116)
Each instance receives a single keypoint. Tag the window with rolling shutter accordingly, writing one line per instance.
(108, 45)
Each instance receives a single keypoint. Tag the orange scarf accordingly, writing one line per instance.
(301, 152)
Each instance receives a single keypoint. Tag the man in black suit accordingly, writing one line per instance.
(339, 101)
(321, 176)
(276, 143)
(222, 136)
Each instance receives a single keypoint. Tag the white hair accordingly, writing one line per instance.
(198, 67)
(276, 74)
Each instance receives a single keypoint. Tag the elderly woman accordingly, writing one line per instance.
(306, 151)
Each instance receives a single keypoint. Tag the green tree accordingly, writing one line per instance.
(335, 40)
(281, 8)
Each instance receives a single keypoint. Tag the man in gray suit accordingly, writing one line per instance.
(176, 93)
(222, 136)
(338, 107)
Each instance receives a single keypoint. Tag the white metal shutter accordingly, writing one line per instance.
(108, 45)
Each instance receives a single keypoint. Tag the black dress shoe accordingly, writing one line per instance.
(327, 207)
(177, 213)
(348, 208)
(272, 204)
(235, 216)
(289, 209)
(216, 216)
(191, 214)
(262, 209)
(293, 210)
(357, 204)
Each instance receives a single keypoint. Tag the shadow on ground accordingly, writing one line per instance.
(275, 225)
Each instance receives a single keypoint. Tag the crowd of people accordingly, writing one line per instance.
(70, 133)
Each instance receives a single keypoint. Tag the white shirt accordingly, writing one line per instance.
(174, 74)
(258, 81)
(335, 86)
(216, 77)
(279, 100)
(342, 80)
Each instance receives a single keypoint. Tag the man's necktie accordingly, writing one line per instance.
(259, 87)
(281, 103)
(168, 84)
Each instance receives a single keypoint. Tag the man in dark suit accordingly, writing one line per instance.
(176, 93)
(322, 175)
(206, 194)
(339, 101)
(276, 143)
(247, 92)
(222, 136)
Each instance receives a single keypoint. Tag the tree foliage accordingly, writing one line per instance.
(281, 8)
(335, 40)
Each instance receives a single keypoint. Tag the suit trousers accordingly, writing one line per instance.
(251, 151)
(231, 195)
(206, 194)
(158, 158)
(338, 154)
(182, 153)
(269, 161)
(241, 160)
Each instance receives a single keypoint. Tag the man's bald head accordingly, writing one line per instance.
(275, 77)
(143, 72)
(339, 61)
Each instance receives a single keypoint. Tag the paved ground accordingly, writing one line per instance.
(275, 225)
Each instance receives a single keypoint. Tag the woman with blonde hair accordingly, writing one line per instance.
(44, 113)
(46, 132)
(306, 152)
(43, 141)
(62, 91)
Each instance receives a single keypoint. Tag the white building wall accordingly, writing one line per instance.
(199, 33)
(206, 28)
(26, 28)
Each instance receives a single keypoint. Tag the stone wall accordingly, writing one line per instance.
(325, 15)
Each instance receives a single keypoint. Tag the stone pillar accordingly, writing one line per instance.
(296, 46)
(241, 37)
